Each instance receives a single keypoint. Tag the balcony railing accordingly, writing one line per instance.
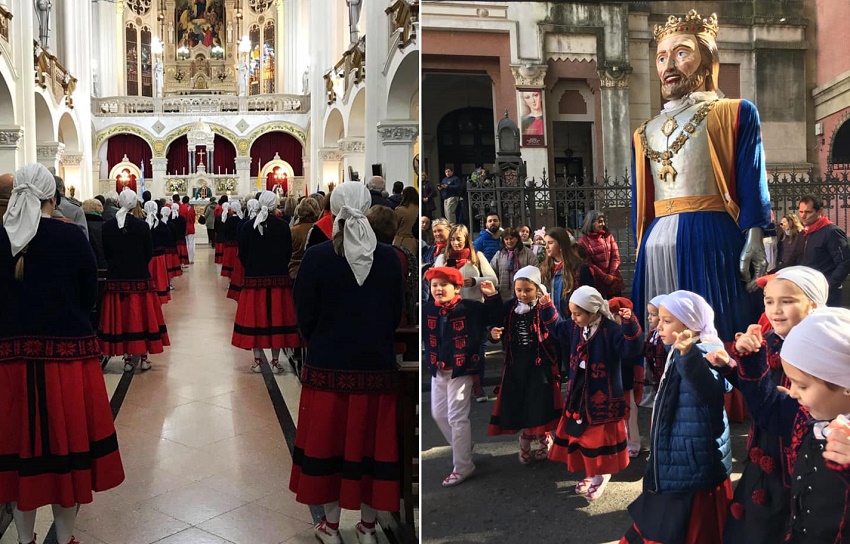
(49, 73)
(5, 23)
(120, 106)
(403, 15)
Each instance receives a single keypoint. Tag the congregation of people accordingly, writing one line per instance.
(312, 273)
(579, 358)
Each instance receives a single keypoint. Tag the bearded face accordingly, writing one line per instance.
(678, 64)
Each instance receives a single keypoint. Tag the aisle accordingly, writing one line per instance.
(203, 449)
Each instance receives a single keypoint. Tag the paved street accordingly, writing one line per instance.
(506, 502)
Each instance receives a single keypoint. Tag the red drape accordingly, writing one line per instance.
(271, 181)
(178, 157)
(136, 149)
(281, 143)
(119, 183)
(224, 157)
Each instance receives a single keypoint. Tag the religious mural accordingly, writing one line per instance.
(200, 22)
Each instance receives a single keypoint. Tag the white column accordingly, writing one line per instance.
(354, 155)
(82, 69)
(10, 142)
(243, 172)
(289, 77)
(23, 28)
(616, 136)
(50, 153)
(329, 167)
(71, 172)
(373, 22)
(118, 76)
(159, 167)
(396, 150)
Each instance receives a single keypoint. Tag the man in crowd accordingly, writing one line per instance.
(490, 239)
(376, 188)
(824, 247)
(451, 189)
(68, 209)
(188, 213)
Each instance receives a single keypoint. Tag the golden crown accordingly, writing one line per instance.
(692, 23)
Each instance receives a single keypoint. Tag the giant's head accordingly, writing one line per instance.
(686, 58)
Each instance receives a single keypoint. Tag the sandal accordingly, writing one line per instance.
(633, 452)
(456, 478)
(275, 364)
(542, 452)
(525, 448)
(256, 366)
(595, 490)
(581, 487)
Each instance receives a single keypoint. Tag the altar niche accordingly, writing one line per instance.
(278, 175)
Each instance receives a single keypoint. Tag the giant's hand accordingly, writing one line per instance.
(753, 256)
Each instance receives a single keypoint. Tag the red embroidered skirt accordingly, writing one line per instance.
(265, 317)
(57, 439)
(159, 274)
(236, 280)
(172, 261)
(183, 251)
(601, 449)
(131, 320)
(219, 252)
(346, 450)
(229, 259)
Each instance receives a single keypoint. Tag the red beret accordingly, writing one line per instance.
(618, 303)
(762, 281)
(453, 275)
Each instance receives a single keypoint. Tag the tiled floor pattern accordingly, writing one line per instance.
(205, 458)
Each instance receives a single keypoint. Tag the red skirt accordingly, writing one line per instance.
(131, 322)
(601, 449)
(172, 261)
(346, 450)
(219, 252)
(265, 317)
(159, 273)
(183, 251)
(236, 280)
(57, 439)
(229, 259)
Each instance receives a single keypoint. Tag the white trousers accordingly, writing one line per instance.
(632, 429)
(450, 403)
(450, 205)
(190, 246)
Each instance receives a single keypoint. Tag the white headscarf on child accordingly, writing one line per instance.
(656, 300)
(127, 201)
(253, 207)
(175, 212)
(692, 310)
(236, 206)
(268, 201)
(820, 345)
(151, 211)
(812, 282)
(32, 184)
(589, 299)
(350, 201)
(532, 274)
(165, 213)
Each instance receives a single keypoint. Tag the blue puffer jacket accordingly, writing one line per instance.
(487, 244)
(689, 440)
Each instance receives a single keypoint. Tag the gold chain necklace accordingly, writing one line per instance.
(669, 126)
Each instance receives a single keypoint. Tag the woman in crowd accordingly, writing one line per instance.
(602, 254)
(562, 271)
(791, 242)
(512, 256)
(407, 213)
(323, 227)
(94, 219)
(348, 292)
(48, 284)
(306, 214)
(158, 265)
(220, 214)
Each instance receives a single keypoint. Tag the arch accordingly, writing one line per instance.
(404, 85)
(280, 143)
(357, 115)
(279, 126)
(224, 132)
(839, 153)
(7, 114)
(104, 135)
(68, 133)
(129, 145)
(44, 128)
(334, 128)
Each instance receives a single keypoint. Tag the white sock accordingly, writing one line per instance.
(24, 523)
(64, 519)
(332, 512)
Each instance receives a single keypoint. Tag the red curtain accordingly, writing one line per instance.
(136, 149)
(178, 157)
(281, 143)
(128, 181)
(224, 157)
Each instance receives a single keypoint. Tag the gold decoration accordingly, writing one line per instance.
(692, 23)
(666, 157)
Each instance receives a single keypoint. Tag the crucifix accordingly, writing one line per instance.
(202, 152)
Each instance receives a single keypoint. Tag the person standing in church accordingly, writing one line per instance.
(179, 223)
(158, 265)
(172, 257)
(221, 213)
(48, 285)
(231, 234)
(131, 320)
(209, 221)
(187, 212)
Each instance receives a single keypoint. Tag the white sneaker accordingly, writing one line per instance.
(365, 536)
(256, 366)
(325, 534)
(144, 364)
(128, 366)
(277, 367)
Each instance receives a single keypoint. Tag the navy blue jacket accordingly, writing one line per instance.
(129, 250)
(265, 255)
(826, 250)
(454, 187)
(453, 341)
(349, 328)
(689, 436)
(55, 299)
(162, 238)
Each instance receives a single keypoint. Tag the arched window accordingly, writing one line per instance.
(254, 61)
(268, 57)
(145, 62)
(840, 157)
(139, 59)
(132, 67)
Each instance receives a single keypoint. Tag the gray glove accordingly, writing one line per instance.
(753, 257)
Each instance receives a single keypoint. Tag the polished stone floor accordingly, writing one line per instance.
(203, 449)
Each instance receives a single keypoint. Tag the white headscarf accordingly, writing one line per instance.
(175, 212)
(694, 312)
(820, 345)
(532, 274)
(165, 213)
(225, 210)
(236, 206)
(589, 299)
(126, 202)
(656, 301)
(267, 201)
(253, 207)
(33, 183)
(350, 201)
(812, 282)
(151, 210)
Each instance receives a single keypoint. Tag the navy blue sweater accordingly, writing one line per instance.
(129, 250)
(264, 255)
(161, 238)
(55, 298)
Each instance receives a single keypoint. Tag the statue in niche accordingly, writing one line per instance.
(158, 78)
(305, 82)
(243, 78)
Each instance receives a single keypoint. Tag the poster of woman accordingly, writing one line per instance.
(530, 105)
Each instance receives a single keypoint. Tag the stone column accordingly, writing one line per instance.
(287, 74)
(527, 77)
(159, 166)
(10, 140)
(243, 173)
(328, 170)
(396, 153)
(616, 135)
(308, 180)
(71, 173)
(50, 153)
(354, 155)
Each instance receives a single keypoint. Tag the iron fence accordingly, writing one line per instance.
(564, 201)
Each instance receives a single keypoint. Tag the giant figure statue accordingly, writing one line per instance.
(700, 198)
